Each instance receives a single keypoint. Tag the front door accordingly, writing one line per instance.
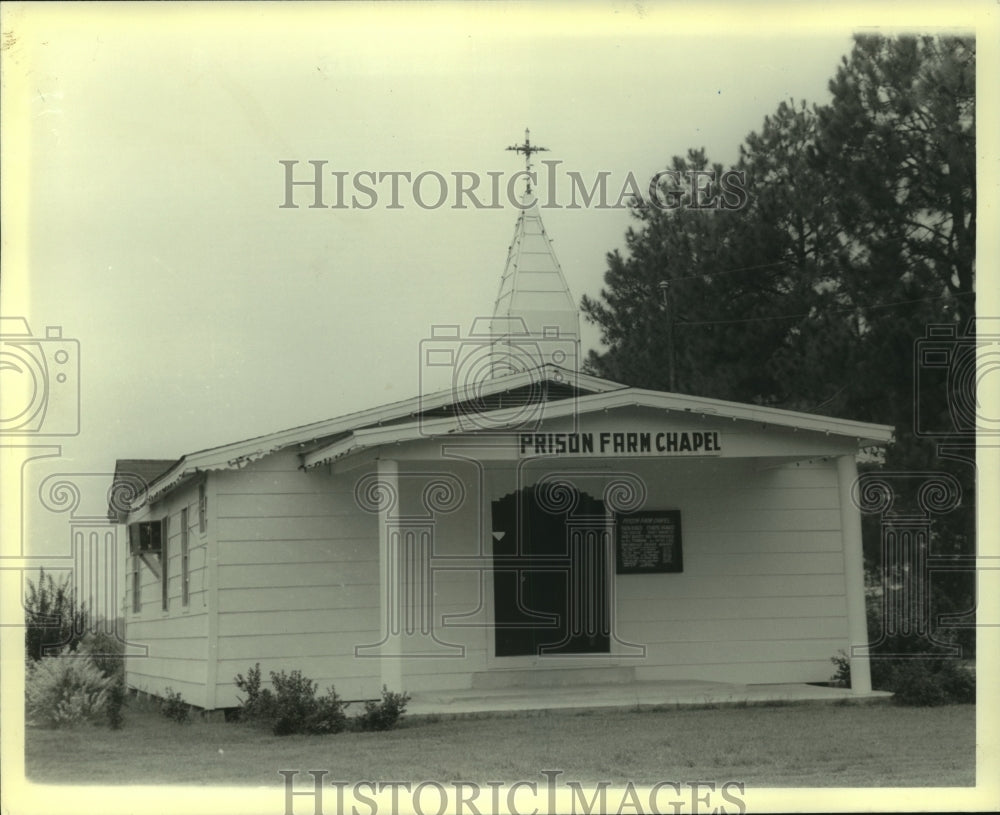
(550, 578)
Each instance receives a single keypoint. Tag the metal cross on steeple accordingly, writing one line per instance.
(527, 148)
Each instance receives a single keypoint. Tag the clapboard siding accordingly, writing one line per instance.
(784, 629)
(650, 588)
(169, 625)
(312, 598)
(765, 563)
(268, 552)
(182, 648)
(745, 541)
(675, 609)
(283, 505)
(348, 522)
(192, 690)
(320, 668)
(763, 579)
(745, 498)
(734, 652)
(298, 577)
(305, 621)
(175, 639)
(773, 672)
(298, 644)
(352, 678)
(767, 519)
(295, 572)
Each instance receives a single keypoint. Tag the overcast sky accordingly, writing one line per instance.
(149, 226)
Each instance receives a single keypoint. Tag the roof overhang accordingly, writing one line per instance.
(239, 454)
(512, 420)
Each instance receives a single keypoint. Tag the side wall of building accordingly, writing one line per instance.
(298, 579)
(174, 634)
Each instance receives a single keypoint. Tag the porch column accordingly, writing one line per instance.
(391, 648)
(854, 575)
(406, 545)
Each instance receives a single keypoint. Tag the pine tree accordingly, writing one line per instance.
(858, 235)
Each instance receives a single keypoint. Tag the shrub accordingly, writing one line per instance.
(901, 663)
(292, 707)
(384, 714)
(54, 621)
(259, 704)
(106, 651)
(294, 702)
(174, 707)
(329, 715)
(918, 681)
(925, 681)
(65, 690)
(842, 676)
(116, 704)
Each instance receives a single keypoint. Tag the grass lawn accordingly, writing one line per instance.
(802, 745)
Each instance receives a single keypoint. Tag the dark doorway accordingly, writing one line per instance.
(550, 579)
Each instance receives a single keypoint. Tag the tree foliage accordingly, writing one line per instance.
(53, 617)
(858, 235)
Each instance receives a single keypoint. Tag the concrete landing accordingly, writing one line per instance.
(667, 694)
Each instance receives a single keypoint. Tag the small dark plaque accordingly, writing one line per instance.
(648, 542)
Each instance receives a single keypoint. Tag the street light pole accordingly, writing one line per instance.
(671, 375)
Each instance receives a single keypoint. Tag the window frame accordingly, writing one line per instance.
(185, 559)
(202, 508)
(136, 585)
(164, 561)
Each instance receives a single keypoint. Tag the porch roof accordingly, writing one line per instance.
(866, 434)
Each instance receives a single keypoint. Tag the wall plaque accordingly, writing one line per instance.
(648, 542)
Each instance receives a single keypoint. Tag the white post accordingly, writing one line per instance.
(854, 575)
(390, 662)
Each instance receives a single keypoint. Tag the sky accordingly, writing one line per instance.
(142, 190)
(143, 150)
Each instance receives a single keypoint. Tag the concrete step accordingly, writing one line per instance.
(649, 695)
(553, 677)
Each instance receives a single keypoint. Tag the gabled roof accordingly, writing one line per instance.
(445, 413)
(132, 477)
(558, 383)
(865, 433)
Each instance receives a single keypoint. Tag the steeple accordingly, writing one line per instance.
(535, 318)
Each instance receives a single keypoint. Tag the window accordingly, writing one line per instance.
(202, 509)
(185, 563)
(136, 585)
(164, 561)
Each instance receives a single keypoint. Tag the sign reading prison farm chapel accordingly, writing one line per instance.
(648, 542)
(622, 443)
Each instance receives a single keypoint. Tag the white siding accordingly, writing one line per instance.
(297, 576)
(176, 640)
(299, 579)
(762, 594)
(288, 575)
